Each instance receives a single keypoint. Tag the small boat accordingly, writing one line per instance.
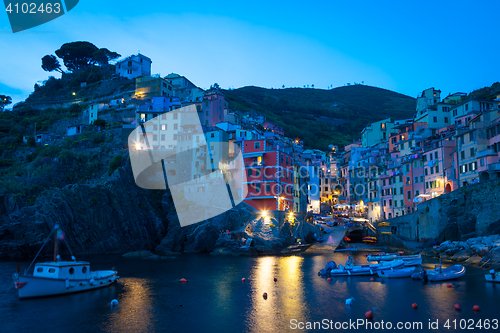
(369, 239)
(349, 268)
(60, 277)
(493, 277)
(412, 261)
(440, 274)
(396, 273)
(383, 256)
(320, 240)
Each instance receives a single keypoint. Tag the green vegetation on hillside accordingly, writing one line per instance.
(296, 110)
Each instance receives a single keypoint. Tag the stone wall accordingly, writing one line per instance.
(468, 212)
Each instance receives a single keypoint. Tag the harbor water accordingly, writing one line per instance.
(214, 298)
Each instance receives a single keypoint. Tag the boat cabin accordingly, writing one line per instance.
(73, 270)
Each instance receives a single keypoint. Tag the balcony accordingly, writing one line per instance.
(201, 156)
(486, 152)
(494, 167)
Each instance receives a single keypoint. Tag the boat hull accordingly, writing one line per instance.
(366, 269)
(33, 286)
(450, 273)
(495, 278)
(413, 262)
(397, 273)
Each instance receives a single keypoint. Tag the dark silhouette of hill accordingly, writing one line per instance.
(323, 117)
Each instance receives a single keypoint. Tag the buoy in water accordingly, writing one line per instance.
(275, 279)
(458, 307)
(349, 301)
(372, 279)
(449, 285)
(329, 279)
(369, 314)
(243, 280)
(414, 306)
(114, 302)
(475, 308)
(183, 280)
(264, 295)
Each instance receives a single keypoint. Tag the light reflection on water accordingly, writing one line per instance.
(151, 298)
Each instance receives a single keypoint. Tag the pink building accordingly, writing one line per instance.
(269, 175)
(212, 108)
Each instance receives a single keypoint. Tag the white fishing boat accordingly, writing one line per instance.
(349, 269)
(383, 256)
(411, 260)
(492, 276)
(396, 273)
(60, 277)
(440, 274)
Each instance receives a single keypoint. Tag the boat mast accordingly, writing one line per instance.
(55, 242)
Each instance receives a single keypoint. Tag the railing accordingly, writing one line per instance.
(201, 156)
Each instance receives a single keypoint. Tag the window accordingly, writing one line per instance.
(446, 120)
(437, 168)
(435, 119)
(432, 170)
(481, 162)
(407, 168)
(402, 146)
(383, 204)
(436, 155)
(257, 145)
(163, 127)
(163, 137)
(175, 115)
(472, 152)
(52, 270)
(421, 179)
(408, 181)
(430, 157)
(402, 203)
(416, 180)
(462, 154)
(71, 271)
(390, 202)
(408, 195)
(39, 269)
(395, 203)
(417, 193)
(401, 190)
(155, 127)
(175, 126)
(425, 171)
(426, 184)
(155, 137)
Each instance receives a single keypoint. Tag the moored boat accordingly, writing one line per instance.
(440, 274)
(61, 277)
(396, 273)
(349, 268)
(492, 276)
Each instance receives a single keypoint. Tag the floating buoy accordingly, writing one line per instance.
(414, 306)
(114, 302)
(458, 307)
(369, 314)
(243, 280)
(449, 285)
(329, 279)
(275, 279)
(264, 295)
(475, 308)
(183, 280)
(372, 279)
(349, 301)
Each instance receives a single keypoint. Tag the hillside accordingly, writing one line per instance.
(299, 110)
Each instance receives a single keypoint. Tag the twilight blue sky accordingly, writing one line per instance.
(405, 46)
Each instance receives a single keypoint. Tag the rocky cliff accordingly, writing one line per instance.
(117, 216)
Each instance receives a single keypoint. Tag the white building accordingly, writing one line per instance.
(92, 111)
(134, 66)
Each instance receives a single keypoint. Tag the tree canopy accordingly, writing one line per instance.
(103, 56)
(77, 55)
(51, 63)
(4, 101)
